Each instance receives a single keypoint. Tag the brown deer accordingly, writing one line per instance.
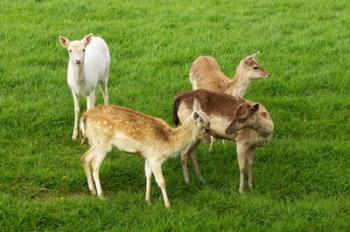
(226, 113)
(205, 73)
(130, 131)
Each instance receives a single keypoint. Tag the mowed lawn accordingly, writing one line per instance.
(302, 175)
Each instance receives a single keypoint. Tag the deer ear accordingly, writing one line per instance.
(87, 39)
(196, 105)
(241, 110)
(63, 41)
(256, 54)
(230, 129)
(256, 107)
(195, 115)
(251, 58)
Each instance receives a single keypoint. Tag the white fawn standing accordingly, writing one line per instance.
(130, 131)
(88, 66)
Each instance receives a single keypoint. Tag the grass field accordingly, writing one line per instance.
(302, 175)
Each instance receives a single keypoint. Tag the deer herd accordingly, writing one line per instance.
(215, 108)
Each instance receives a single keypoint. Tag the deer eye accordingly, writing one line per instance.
(84, 50)
(70, 50)
(241, 120)
(255, 67)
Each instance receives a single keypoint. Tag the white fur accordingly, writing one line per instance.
(87, 68)
(95, 68)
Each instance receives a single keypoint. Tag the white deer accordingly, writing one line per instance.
(88, 65)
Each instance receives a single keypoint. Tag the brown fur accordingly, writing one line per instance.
(204, 67)
(223, 112)
(116, 116)
(220, 104)
(111, 126)
(212, 103)
(205, 73)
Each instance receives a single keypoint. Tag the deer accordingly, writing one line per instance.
(88, 65)
(152, 138)
(226, 113)
(205, 73)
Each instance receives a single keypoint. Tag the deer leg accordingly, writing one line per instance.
(76, 115)
(157, 172)
(104, 90)
(148, 174)
(90, 100)
(196, 168)
(86, 159)
(184, 157)
(251, 160)
(241, 158)
(100, 154)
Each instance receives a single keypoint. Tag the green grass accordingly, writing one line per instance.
(303, 174)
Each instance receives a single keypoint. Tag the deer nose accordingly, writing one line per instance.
(268, 74)
(78, 61)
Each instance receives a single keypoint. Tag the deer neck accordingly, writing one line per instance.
(78, 73)
(239, 85)
(183, 136)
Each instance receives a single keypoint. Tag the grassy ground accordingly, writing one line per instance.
(302, 175)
